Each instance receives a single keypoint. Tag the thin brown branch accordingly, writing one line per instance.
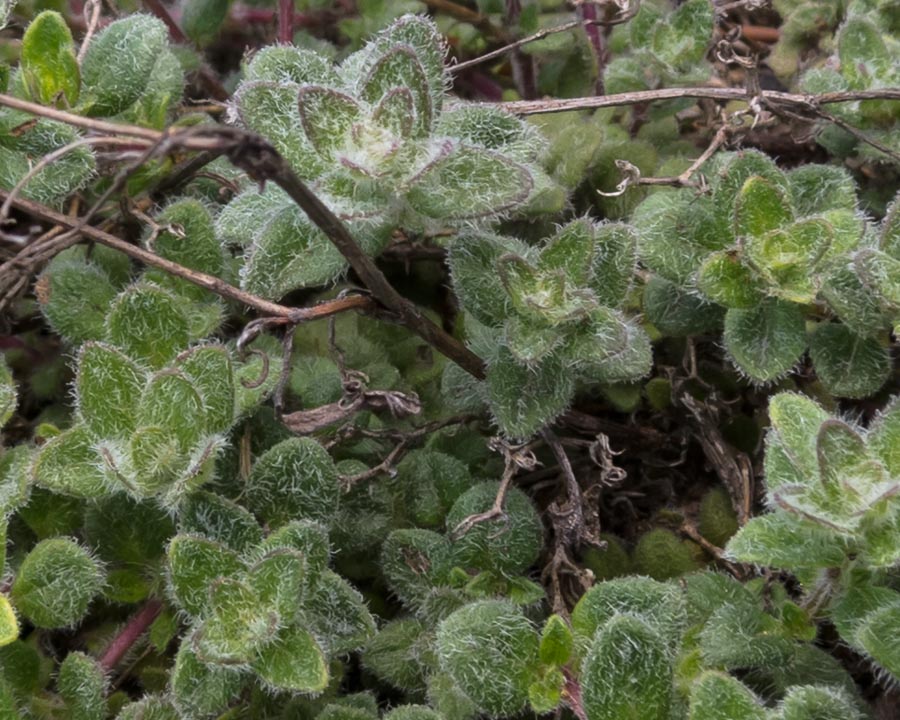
(262, 162)
(208, 282)
(466, 15)
(810, 102)
(285, 21)
(859, 134)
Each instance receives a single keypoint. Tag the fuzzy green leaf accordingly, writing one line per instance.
(219, 519)
(278, 579)
(148, 324)
(194, 565)
(469, 183)
(48, 64)
(847, 364)
(524, 399)
(659, 604)
(571, 252)
(782, 540)
(490, 649)
(108, 387)
(131, 46)
(9, 624)
(716, 696)
(8, 394)
(294, 479)
(293, 662)
(760, 206)
(271, 110)
(209, 369)
(55, 583)
(863, 54)
(75, 296)
(766, 341)
(818, 703)
(786, 257)
(743, 636)
(880, 273)
(289, 253)
(201, 690)
(614, 261)
(237, 624)
(627, 673)
(676, 312)
(400, 68)
(82, 685)
(726, 278)
(327, 116)
(734, 171)
(884, 437)
(506, 545)
(877, 636)
(817, 188)
(70, 464)
(414, 561)
(337, 614)
(171, 402)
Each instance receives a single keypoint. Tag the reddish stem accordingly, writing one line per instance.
(129, 635)
(598, 43)
(285, 21)
(572, 695)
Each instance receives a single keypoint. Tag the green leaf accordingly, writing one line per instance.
(783, 540)
(863, 55)
(414, 561)
(48, 64)
(468, 183)
(716, 696)
(760, 206)
(661, 605)
(219, 519)
(417, 32)
(506, 545)
(493, 128)
(131, 46)
(847, 364)
(236, 626)
(545, 694)
(55, 583)
(884, 437)
(765, 342)
(210, 371)
(530, 340)
(786, 257)
(853, 302)
(289, 253)
(677, 312)
(743, 636)
(735, 170)
(9, 624)
(524, 399)
(327, 116)
(278, 578)
(190, 240)
(108, 386)
(557, 642)
(148, 324)
(82, 685)
(171, 402)
(400, 68)
(291, 64)
(8, 394)
(157, 459)
(294, 479)
(627, 673)
(309, 538)
(877, 635)
(271, 109)
(662, 555)
(194, 565)
(70, 464)
(880, 273)
(396, 112)
(336, 613)
(201, 20)
(727, 279)
(571, 252)
(818, 703)
(75, 296)
(614, 263)
(818, 188)
(201, 690)
(125, 531)
(293, 662)
(490, 649)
